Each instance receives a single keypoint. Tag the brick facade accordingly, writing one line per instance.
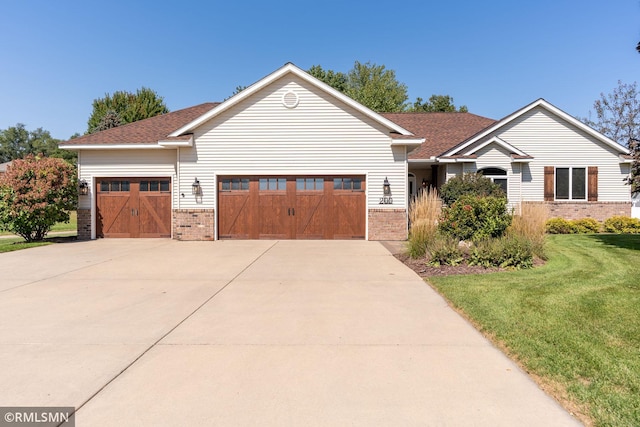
(388, 224)
(193, 224)
(84, 224)
(596, 210)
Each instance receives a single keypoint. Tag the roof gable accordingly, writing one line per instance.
(495, 140)
(548, 107)
(266, 81)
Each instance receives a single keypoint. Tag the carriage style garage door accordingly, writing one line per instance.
(292, 207)
(133, 207)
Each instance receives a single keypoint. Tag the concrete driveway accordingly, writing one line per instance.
(160, 332)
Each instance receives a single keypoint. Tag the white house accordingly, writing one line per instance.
(292, 158)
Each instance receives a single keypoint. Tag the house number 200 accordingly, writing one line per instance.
(386, 201)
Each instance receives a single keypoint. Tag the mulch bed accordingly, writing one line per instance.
(423, 270)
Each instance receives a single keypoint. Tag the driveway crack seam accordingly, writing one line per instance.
(172, 329)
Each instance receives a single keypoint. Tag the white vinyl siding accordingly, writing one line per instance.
(455, 169)
(554, 142)
(124, 163)
(320, 136)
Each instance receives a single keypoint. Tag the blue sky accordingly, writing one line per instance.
(493, 56)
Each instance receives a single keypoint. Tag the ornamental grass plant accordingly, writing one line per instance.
(424, 212)
(530, 225)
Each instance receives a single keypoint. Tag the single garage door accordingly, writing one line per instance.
(291, 207)
(133, 207)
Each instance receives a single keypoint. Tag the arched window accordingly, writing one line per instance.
(498, 176)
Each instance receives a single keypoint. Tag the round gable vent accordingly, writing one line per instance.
(290, 99)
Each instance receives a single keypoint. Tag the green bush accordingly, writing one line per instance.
(622, 224)
(469, 184)
(35, 193)
(506, 252)
(444, 250)
(475, 218)
(560, 226)
(586, 225)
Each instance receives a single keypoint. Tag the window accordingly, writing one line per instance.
(154, 185)
(571, 184)
(498, 176)
(113, 186)
(273, 184)
(310, 184)
(568, 183)
(353, 184)
(235, 184)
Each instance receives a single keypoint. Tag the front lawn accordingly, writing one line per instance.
(58, 227)
(18, 243)
(574, 323)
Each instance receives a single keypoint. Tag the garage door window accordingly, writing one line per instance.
(353, 184)
(107, 186)
(310, 184)
(154, 186)
(273, 184)
(235, 184)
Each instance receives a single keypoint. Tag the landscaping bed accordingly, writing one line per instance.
(423, 269)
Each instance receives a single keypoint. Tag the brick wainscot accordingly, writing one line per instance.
(599, 211)
(193, 224)
(388, 224)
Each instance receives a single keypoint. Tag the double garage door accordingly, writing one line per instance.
(133, 207)
(291, 207)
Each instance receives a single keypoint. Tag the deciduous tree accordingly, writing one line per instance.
(376, 87)
(437, 103)
(618, 114)
(35, 193)
(335, 79)
(634, 178)
(125, 107)
(17, 141)
(371, 85)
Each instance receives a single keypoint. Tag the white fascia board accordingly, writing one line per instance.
(551, 108)
(441, 160)
(112, 147)
(623, 160)
(288, 68)
(304, 172)
(520, 160)
(409, 142)
(173, 143)
(429, 161)
(498, 141)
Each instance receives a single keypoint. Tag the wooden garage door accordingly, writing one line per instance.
(292, 207)
(133, 207)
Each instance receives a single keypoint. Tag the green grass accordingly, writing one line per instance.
(70, 226)
(574, 323)
(18, 243)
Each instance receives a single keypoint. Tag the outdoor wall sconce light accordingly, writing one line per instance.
(83, 188)
(195, 187)
(386, 188)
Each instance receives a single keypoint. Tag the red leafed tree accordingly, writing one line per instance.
(35, 193)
